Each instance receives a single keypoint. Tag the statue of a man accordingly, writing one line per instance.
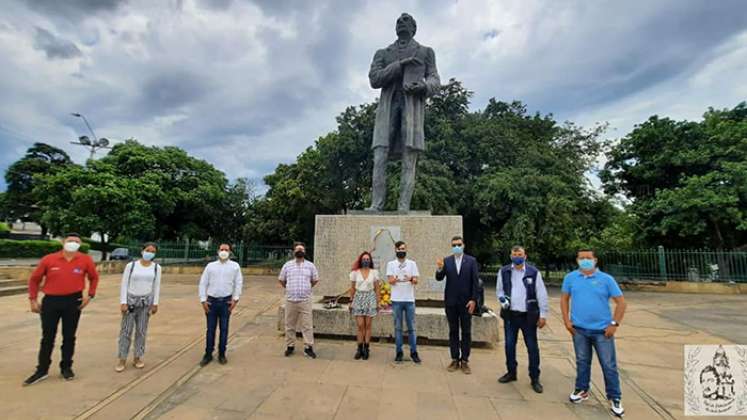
(406, 74)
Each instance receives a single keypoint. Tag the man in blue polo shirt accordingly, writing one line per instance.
(592, 325)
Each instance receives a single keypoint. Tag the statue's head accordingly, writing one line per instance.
(406, 25)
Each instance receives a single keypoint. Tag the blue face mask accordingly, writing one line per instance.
(147, 256)
(457, 250)
(517, 260)
(586, 264)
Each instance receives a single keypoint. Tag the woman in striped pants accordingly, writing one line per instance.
(138, 298)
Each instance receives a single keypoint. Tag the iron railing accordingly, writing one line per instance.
(658, 264)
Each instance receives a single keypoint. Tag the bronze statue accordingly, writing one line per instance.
(406, 74)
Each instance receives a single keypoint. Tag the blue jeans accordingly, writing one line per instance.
(583, 342)
(218, 313)
(406, 310)
(527, 324)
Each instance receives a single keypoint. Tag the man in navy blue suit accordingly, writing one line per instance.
(460, 299)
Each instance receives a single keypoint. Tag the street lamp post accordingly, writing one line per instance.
(92, 144)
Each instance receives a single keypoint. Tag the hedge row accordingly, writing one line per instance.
(10, 248)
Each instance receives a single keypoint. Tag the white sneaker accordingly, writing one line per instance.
(616, 408)
(579, 396)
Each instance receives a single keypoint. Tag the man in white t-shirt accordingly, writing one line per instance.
(403, 274)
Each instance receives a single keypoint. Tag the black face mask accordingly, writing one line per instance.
(300, 254)
(401, 254)
(365, 264)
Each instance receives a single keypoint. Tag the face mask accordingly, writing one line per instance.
(147, 256)
(586, 264)
(223, 255)
(365, 264)
(517, 260)
(401, 254)
(457, 250)
(71, 246)
(300, 254)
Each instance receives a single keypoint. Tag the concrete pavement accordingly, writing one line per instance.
(259, 382)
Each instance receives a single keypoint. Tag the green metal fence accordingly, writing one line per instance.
(658, 264)
(677, 265)
(200, 252)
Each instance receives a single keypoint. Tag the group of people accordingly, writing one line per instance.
(69, 280)
(521, 294)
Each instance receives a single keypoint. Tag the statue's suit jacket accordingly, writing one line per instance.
(387, 74)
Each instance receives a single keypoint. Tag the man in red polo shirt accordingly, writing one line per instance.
(62, 276)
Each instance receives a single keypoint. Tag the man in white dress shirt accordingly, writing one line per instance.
(220, 289)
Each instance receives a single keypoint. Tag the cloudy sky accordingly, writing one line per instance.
(249, 84)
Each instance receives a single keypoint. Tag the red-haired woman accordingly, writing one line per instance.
(364, 300)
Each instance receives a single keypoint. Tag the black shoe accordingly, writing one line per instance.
(222, 359)
(289, 351)
(359, 352)
(38, 376)
(67, 374)
(537, 386)
(398, 357)
(309, 352)
(366, 351)
(206, 359)
(509, 377)
(415, 358)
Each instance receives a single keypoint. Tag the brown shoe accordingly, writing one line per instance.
(465, 368)
(454, 366)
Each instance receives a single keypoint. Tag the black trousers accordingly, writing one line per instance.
(459, 317)
(527, 324)
(54, 309)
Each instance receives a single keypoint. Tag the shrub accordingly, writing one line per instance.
(10, 248)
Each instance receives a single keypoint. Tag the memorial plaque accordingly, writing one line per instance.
(383, 239)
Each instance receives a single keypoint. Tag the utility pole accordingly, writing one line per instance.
(92, 144)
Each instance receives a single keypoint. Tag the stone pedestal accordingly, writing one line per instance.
(430, 324)
(339, 239)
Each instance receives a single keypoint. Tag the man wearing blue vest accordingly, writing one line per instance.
(523, 299)
(593, 326)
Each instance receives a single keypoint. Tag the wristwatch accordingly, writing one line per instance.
(615, 323)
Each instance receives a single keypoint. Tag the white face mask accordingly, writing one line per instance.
(223, 255)
(71, 246)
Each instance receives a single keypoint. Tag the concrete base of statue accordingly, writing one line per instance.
(339, 239)
(431, 325)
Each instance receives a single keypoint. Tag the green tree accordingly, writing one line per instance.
(21, 202)
(687, 180)
(95, 199)
(141, 192)
(186, 195)
(4, 214)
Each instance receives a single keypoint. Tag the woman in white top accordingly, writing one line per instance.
(138, 298)
(364, 300)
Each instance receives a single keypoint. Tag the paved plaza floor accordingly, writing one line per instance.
(259, 382)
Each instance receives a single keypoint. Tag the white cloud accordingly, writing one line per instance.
(249, 84)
